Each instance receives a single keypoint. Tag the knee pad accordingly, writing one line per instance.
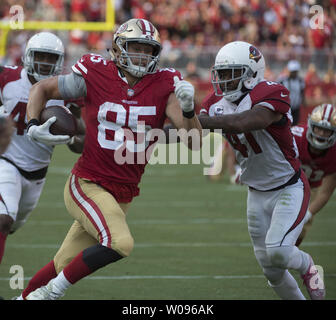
(99, 256)
(279, 256)
(262, 258)
(274, 275)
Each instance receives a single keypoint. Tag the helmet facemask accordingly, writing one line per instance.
(245, 65)
(228, 80)
(138, 64)
(42, 70)
(137, 61)
(318, 141)
(319, 118)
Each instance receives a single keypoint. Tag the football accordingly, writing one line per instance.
(65, 124)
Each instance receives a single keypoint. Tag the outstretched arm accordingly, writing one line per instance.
(40, 93)
(257, 118)
(323, 194)
(66, 87)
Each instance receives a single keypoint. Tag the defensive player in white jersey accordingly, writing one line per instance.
(23, 166)
(255, 116)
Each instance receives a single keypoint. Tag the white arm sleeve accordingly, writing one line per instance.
(71, 86)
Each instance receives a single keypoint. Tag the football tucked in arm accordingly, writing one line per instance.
(65, 123)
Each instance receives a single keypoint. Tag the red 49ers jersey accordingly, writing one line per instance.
(315, 167)
(113, 112)
(268, 157)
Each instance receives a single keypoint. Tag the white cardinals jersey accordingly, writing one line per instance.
(14, 92)
(268, 157)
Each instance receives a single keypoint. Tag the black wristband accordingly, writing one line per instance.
(189, 114)
(32, 122)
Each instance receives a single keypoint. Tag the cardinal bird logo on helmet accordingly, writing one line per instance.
(255, 54)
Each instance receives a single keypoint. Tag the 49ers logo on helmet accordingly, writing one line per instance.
(146, 27)
(122, 28)
(254, 54)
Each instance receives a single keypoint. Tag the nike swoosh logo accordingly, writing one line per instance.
(283, 95)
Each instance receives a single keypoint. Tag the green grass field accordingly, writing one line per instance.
(191, 240)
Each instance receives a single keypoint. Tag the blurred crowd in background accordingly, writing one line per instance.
(192, 31)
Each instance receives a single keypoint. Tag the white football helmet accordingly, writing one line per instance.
(43, 42)
(237, 61)
(323, 116)
(140, 31)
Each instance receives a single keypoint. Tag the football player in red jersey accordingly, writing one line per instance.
(118, 94)
(255, 117)
(317, 152)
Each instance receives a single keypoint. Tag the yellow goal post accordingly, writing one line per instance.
(107, 25)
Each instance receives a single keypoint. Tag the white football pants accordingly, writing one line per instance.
(275, 220)
(18, 196)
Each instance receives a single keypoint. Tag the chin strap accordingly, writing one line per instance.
(111, 54)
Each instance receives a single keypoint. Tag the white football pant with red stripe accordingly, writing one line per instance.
(275, 221)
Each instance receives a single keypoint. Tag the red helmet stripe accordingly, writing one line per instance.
(147, 27)
(143, 27)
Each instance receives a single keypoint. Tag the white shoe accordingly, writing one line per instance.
(47, 292)
(313, 281)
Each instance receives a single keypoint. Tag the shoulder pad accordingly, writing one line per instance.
(269, 90)
(208, 101)
(87, 62)
(9, 74)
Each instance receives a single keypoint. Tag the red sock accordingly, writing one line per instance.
(41, 278)
(2, 244)
(76, 269)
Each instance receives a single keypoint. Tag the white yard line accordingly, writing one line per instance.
(151, 221)
(171, 277)
(173, 245)
(160, 204)
(145, 221)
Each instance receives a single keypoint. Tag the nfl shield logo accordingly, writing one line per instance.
(130, 92)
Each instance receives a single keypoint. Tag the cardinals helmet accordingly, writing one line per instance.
(238, 66)
(43, 42)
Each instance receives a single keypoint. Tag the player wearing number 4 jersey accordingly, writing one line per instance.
(255, 117)
(119, 93)
(317, 149)
(24, 165)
